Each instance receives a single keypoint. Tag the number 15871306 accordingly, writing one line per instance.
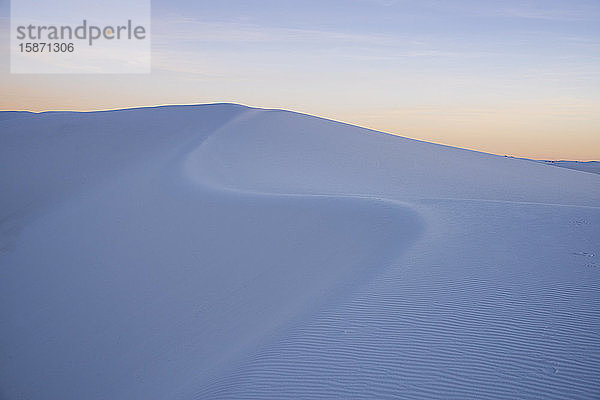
(46, 47)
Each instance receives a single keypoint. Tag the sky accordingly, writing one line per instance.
(518, 78)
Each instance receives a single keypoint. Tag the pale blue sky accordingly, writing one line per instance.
(509, 77)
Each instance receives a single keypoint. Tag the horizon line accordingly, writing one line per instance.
(293, 111)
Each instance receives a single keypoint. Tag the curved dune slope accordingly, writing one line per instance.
(218, 251)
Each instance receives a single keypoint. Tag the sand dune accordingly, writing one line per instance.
(219, 251)
(586, 166)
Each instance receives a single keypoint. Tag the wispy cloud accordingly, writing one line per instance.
(191, 29)
(541, 10)
(179, 40)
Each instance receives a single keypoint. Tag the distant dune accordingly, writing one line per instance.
(225, 252)
(586, 166)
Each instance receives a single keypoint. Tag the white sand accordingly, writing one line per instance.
(217, 251)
